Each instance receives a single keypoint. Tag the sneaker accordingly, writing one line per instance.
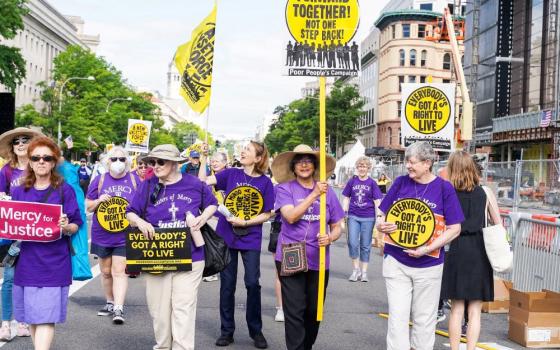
(260, 342)
(464, 329)
(354, 276)
(363, 277)
(5, 332)
(440, 315)
(23, 330)
(279, 315)
(107, 310)
(447, 304)
(224, 340)
(210, 278)
(118, 316)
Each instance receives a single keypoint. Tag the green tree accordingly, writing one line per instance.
(183, 129)
(12, 64)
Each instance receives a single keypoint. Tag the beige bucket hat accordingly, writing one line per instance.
(167, 152)
(7, 138)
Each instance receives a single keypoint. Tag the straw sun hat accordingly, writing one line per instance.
(281, 164)
(167, 152)
(7, 138)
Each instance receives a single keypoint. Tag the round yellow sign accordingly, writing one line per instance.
(415, 222)
(427, 110)
(138, 134)
(245, 202)
(322, 23)
(111, 215)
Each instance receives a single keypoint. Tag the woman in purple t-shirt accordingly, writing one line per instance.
(13, 148)
(361, 197)
(44, 270)
(297, 200)
(249, 198)
(113, 190)
(413, 276)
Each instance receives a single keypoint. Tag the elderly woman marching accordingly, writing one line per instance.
(297, 200)
(107, 192)
(413, 276)
(164, 201)
(361, 197)
(44, 270)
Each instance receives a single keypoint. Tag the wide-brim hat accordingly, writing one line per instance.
(281, 164)
(167, 152)
(7, 138)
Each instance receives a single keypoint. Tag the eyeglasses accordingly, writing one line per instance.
(20, 141)
(160, 162)
(141, 166)
(303, 161)
(44, 158)
(120, 159)
(408, 161)
(154, 195)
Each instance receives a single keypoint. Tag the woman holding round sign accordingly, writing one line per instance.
(248, 202)
(108, 196)
(165, 201)
(422, 214)
(297, 253)
(361, 198)
(43, 272)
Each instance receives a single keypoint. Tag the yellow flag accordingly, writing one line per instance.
(195, 60)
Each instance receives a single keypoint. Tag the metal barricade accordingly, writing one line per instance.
(536, 255)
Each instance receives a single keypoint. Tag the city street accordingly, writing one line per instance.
(351, 318)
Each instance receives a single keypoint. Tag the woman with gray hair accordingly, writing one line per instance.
(361, 198)
(421, 214)
(108, 196)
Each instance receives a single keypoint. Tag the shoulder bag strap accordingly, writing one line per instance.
(100, 184)
(133, 180)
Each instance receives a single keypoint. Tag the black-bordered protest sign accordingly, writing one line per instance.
(138, 135)
(169, 251)
(111, 215)
(320, 38)
(244, 202)
(428, 115)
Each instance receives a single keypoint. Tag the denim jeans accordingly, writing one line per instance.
(7, 285)
(360, 231)
(228, 281)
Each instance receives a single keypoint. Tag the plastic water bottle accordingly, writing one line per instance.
(12, 255)
(196, 234)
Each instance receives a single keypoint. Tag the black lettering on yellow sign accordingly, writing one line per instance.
(428, 110)
(245, 202)
(138, 134)
(111, 215)
(415, 222)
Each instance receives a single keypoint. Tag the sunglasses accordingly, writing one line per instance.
(160, 162)
(20, 141)
(155, 193)
(120, 159)
(304, 161)
(44, 158)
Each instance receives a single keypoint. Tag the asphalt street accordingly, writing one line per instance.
(351, 318)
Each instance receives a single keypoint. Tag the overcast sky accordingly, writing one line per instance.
(139, 37)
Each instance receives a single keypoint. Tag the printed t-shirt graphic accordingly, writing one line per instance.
(362, 193)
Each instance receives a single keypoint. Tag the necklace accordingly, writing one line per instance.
(245, 177)
(425, 189)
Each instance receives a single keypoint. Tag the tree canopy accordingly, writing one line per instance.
(12, 64)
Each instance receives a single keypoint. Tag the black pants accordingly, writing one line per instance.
(299, 301)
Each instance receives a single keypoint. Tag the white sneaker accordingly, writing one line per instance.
(210, 278)
(354, 276)
(5, 332)
(363, 277)
(279, 315)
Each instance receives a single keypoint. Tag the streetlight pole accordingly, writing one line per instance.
(117, 99)
(90, 78)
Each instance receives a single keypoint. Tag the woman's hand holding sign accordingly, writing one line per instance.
(237, 222)
(386, 227)
(418, 252)
(66, 228)
(146, 228)
(320, 188)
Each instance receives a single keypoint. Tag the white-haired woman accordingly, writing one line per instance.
(108, 196)
(361, 198)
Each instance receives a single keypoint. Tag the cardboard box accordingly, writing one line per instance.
(545, 301)
(500, 305)
(534, 337)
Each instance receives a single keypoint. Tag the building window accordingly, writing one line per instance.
(423, 58)
(426, 7)
(401, 80)
(400, 136)
(406, 30)
(393, 32)
(422, 79)
(447, 61)
(421, 30)
(413, 58)
(412, 79)
(446, 81)
(401, 57)
(399, 106)
(390, 134)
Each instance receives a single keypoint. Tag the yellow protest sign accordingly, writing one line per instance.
(138, 135)
(111, 215)
(245, 202)
(195, 60)
(415, 222)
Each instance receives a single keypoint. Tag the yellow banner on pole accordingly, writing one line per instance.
(323, 199)
(195, 60)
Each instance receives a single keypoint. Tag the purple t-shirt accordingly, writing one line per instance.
(362, 194)
(172, 204)
(47, 264)
(15, 180)
(292, 193)
(438, 195)
(251, 203)
(123, 188)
